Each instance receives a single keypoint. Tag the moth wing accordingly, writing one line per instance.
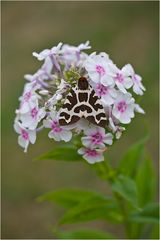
(98, 116)
(67, 115)
(77, 105)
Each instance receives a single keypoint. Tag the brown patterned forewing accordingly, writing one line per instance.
(82, 103)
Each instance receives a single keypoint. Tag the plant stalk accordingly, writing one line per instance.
(111, 173)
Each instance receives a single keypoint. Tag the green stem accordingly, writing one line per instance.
(124, 211)
(111, 177)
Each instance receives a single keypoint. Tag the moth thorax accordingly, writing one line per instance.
(82, 83)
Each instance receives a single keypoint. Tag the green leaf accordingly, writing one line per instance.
(149, 214)
(69, 197)
(146, 181)
(126, 188)
(84, 205)
(130, 161)
(92, 209)
(61, 153)
(84, 234)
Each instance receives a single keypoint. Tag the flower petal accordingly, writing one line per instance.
(23, 143)
(32, 136)
(66, 135)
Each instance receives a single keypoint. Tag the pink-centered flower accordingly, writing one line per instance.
(106, 93)
(57, 132)
(31, 118)
(122, 77)
(96, 137)
(138, 87)
(123, 108)
(91, 155)
(28, 100)
(26, 136)
(98, 68)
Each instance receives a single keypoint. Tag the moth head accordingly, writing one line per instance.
(82, 83)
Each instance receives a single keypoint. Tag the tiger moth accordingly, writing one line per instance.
(82, 102)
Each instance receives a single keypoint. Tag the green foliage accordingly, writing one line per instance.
(126, 188)
(83, 205)
(72, 75)
(130, 162)
(70, 197)
(149, 214)
(132, 201)
(138, 165)
(61, 153)
(84, 234)
(92, 209)
(146, 180)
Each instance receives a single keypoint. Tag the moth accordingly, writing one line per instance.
(82, 102)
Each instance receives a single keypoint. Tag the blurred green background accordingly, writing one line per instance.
(128, 32)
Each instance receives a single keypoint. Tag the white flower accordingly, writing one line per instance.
(47, 69)
(48, 52)
(28, 100)
(72, 55)
(26, 135)
(32, 86)
(73, 49)
(96, 137)
(91, 155)
(37, 79)
(121, 77)
(98, 69)
(138, 87)
(52, 54)
(123, 108)
(31, 118)
(44, 73)
(57, 132)
(106, 93)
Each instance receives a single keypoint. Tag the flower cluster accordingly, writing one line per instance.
(46, 90)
